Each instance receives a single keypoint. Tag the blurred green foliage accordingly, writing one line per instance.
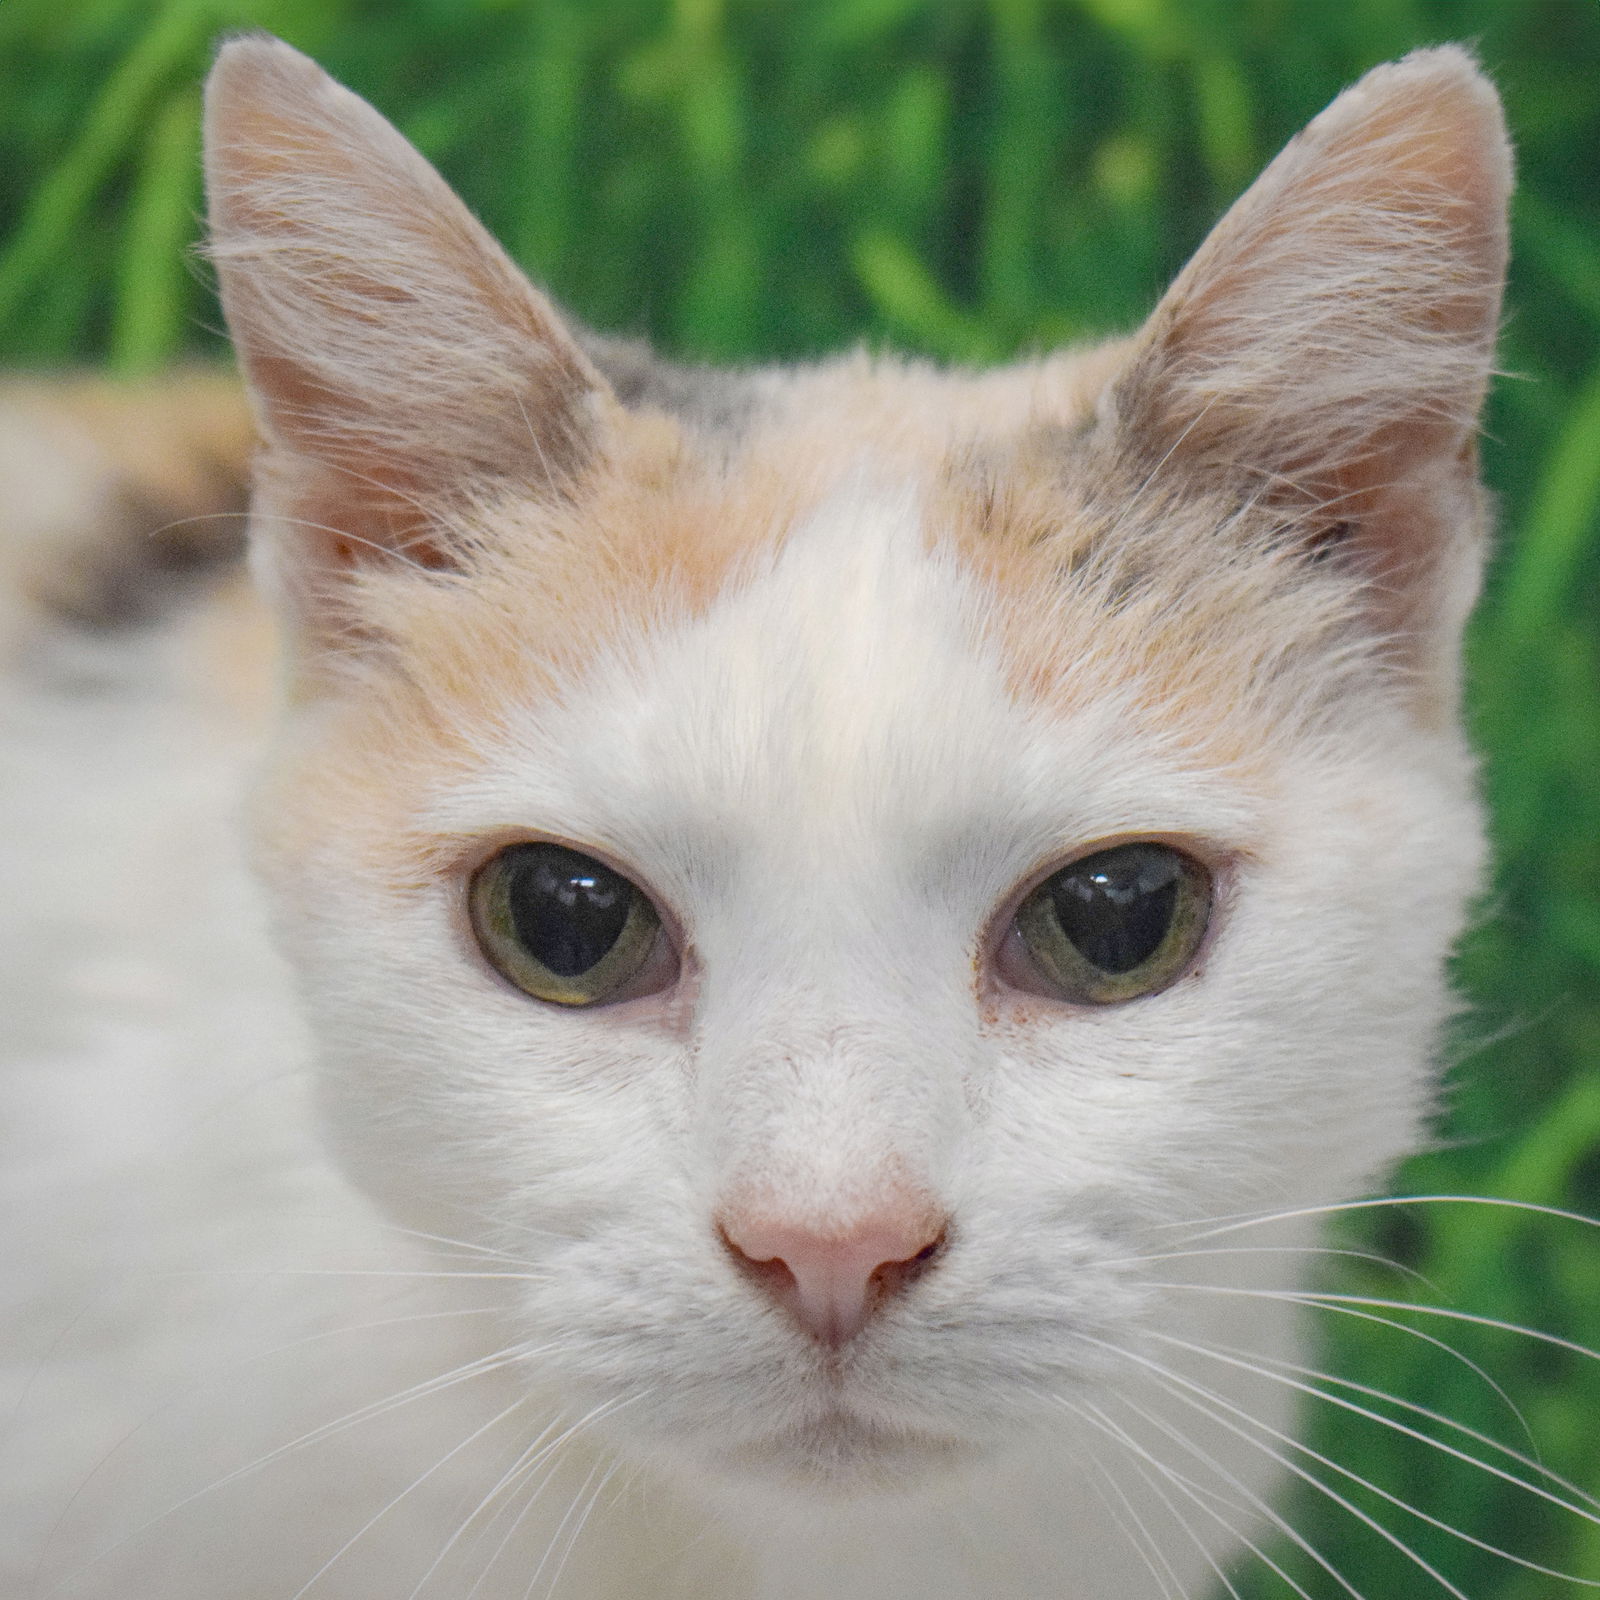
(971, 178)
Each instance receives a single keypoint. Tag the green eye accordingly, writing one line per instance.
(1118, 924)
(561, 925)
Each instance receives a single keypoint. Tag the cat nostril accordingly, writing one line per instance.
(832, 1281)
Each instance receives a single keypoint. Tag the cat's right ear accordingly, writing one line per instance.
(400, 364)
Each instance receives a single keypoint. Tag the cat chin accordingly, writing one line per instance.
(839, 1457)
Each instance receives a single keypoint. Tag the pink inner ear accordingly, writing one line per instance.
(357, 520)
(1337, 328)
(1325, 353)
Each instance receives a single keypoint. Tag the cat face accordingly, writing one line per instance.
(843, 1180)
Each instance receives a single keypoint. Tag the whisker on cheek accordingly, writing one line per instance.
(1256, 1431)
(1280, 1371)
(1154, 1471)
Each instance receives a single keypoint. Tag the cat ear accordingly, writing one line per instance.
(399, 362)
(1329, 345)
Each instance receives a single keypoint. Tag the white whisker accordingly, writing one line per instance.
(1205, 1402)
(1144, 1543)
(1332, 1299)
(1215, 1227)
(409, 1489)
(525, 1468)
(1271, 1517)
(1142, 1461)
(406, 1273)
(1212, 1403)
(1249, 1363)
(578, 1498)
(466, 1245)
(1419, 1334)
(1370, 1256)
(351, 1419)
(406, 1320)
(576, 1533)
(1134, 1530)
(523, 1454)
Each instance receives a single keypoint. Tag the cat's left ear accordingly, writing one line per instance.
(400, 363)
(1328, 348)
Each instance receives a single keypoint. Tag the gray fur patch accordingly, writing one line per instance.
(713, 400)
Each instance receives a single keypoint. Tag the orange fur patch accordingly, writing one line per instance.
(1101, 584)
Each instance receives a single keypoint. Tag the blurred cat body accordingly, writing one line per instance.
(837, 662)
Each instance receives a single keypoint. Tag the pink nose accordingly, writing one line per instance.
(832, 1282)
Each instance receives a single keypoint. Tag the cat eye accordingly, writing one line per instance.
(566, 928)
(1115, 925)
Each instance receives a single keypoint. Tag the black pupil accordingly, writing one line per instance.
(1116, 907)
(568, 910)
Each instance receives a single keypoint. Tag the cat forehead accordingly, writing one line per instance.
(855, 500)
(900, 616)
(851, 693)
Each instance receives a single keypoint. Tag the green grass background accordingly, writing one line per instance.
(743, 178)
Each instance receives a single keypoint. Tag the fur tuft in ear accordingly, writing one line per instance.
(1346, 307)
(1328, 347)
(399, 361)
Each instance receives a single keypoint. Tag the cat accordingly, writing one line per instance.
(849, 920)
(113, 492)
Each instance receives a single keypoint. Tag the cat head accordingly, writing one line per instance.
(826, 866)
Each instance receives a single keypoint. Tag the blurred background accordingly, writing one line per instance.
(741, 179)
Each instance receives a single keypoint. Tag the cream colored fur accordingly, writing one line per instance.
(835, 661)
(111, 489)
